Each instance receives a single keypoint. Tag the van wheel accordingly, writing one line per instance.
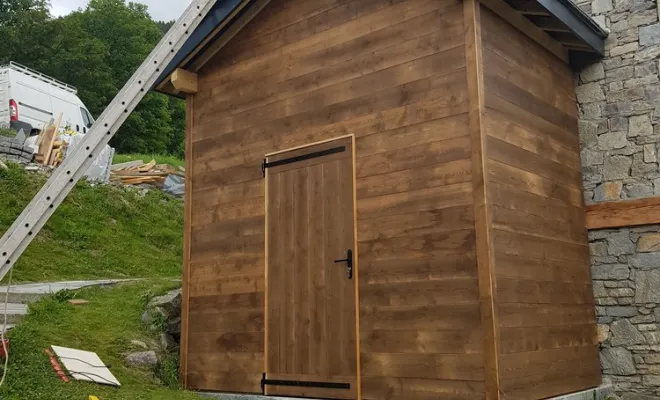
(34, 132)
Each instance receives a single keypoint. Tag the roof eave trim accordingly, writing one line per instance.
(583, 26)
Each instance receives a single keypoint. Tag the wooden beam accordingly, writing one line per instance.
(482, 217)
(618, 214)
(184, 81)
(526, 26)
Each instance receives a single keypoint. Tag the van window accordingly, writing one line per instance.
(87, 119)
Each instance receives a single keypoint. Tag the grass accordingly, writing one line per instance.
(106, 326)
(160, 159)
(98, 232)
(8, 133)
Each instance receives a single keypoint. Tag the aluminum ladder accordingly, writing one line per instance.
(65, 177)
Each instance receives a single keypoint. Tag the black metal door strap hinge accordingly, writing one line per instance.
(303, 157)
(307, 384)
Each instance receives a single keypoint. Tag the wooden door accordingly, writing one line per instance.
(310, 301)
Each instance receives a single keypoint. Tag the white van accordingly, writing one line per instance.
(30, 99)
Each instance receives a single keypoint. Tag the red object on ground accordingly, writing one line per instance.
(3, 355)
(56, 366)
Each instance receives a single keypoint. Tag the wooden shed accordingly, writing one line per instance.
(384, 199)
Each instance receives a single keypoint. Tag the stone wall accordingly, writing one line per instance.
(14, 150)
(619, 101)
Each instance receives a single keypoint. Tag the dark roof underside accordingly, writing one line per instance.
(561, 19)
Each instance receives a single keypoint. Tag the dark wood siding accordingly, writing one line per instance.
(393, 74)
(544, 300)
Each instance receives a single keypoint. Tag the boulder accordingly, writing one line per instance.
(167, 341)
(142, 359)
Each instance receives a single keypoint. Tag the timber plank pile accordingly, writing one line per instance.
(51, 151)
(139, 173)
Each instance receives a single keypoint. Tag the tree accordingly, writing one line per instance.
(96, 49)
(129, 34)
(165, 26)
(22, 24)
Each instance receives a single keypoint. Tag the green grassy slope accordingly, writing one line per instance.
(98, 232)
(105, 326)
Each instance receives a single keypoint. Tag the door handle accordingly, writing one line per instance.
(349, 263)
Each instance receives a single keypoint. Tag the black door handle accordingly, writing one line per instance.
(349, 263)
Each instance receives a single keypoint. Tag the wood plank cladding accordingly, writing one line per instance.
(393, 75)
(545, 305)
(472, 275)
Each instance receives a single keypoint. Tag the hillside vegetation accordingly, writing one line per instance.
(98, 232)
(107, 325)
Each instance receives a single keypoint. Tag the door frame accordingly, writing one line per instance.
(356, 262)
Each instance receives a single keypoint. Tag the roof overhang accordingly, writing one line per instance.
(561, 20)
(567, 24)
(224, 20)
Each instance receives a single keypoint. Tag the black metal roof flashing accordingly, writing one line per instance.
(564, 21)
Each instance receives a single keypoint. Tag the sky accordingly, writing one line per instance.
(160, 10)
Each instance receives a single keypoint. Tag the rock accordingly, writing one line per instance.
(612, 140)
(638, 190)
(610, 271)
(617, 167)
(601, 6)
(598, 248)
(589, 93)
(622, 292)
(592, 157)
(649, 35)
(173, 327)
(645, 260)
(617, 361)
(637, 396)
(167, 341)
(621, 311)
(624, 334)
(603, 332)
(608, 191)
(650, 154)
(593, 72)
(599, 289)
(619, 243)
(626, 48)
(139, 343)
(640, 125)
(142, 359)
(170, 303)
(648, 242)
(647, 285)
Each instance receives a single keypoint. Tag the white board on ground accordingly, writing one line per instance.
(85, 366)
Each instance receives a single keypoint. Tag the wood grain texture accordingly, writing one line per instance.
(187, 233)
(308, 334)
(483, 228)
(616, 214)
(547, 325)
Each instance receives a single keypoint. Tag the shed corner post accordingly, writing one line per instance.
(187, 232)
(482, 212)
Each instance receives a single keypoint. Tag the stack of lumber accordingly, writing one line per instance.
(51, 151)
(138, 173)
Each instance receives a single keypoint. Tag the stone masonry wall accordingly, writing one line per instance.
(619, 101)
